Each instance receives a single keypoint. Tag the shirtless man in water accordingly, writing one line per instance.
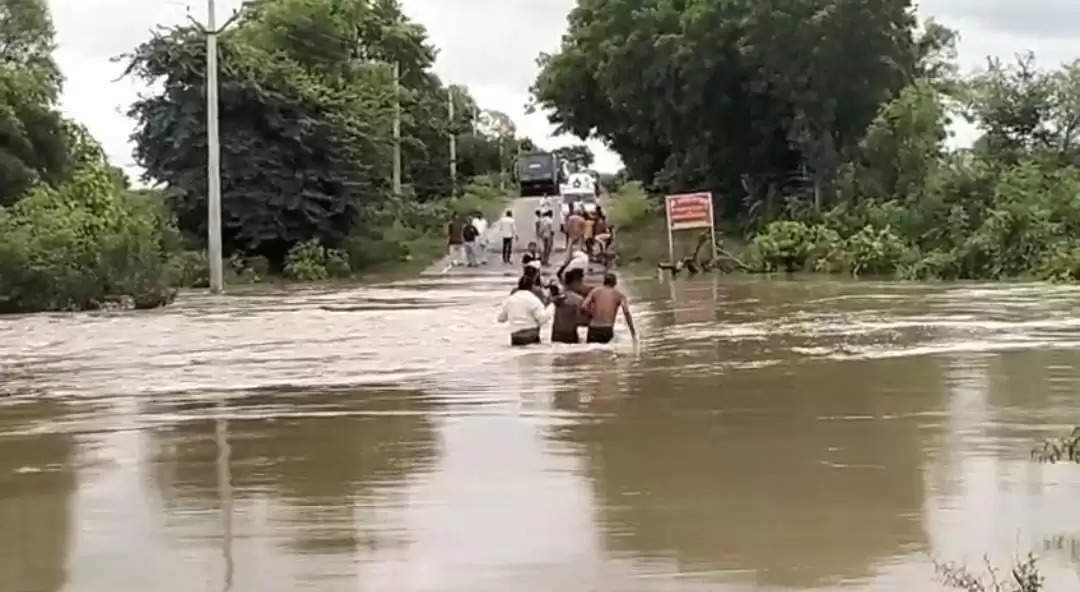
(603, 305)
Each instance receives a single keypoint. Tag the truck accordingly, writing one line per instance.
(580, 190)
(539, 173)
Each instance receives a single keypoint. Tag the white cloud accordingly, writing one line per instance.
(488, 45)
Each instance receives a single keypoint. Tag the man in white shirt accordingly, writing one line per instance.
(525, 313)
(578, 260)
(506, 229)
(481, 225)
(546, 234)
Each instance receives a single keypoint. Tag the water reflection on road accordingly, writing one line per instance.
(785, 434)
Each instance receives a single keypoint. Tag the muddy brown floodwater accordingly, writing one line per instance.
(766, 435)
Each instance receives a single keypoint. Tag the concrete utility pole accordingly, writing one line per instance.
(213, 146)
(397, 129)
(453, 139)
(213, 161)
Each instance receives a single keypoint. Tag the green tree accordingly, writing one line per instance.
(302, 152)
(903, 145)
(579, 156)
(732, 96)
(1013, 105)
(32, 145)
(68, 247)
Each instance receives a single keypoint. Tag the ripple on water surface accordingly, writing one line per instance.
(765, 434)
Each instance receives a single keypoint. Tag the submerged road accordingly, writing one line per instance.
(787, 434)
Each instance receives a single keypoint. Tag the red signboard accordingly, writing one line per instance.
(691, 210)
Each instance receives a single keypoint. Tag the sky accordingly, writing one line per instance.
(488, 45)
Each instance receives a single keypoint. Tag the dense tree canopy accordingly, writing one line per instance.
(579, 156)
(306, 91)
(32, 144)
(729, 96)
(1023, 110)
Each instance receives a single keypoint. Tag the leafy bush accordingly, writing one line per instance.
(482, 195)
(406, 230)
(629, 206)
(875, 251)
(793, 246)
(936, 265)
(70, 247)
(188, 269)
(783, 246)
(307, 262)
(395, 243)
(337, 263)
(1061, 263)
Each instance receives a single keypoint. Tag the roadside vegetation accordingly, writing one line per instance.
(827, 151)
(307, 103)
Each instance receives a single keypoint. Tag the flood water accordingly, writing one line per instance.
(766, 435)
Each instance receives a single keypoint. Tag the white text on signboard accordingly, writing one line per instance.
(692, 210)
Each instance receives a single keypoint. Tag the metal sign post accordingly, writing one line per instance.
(688, 211)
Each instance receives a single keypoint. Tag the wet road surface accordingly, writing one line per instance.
(766, 435)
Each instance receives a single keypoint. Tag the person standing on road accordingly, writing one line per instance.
(525, 313)
(601, 231)
(575, 230)
(469, 236)
(506, 229)
(546, 234)
(481, 225)
(455, 241)
(603, 305)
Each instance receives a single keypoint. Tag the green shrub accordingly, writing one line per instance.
(337, 263)
(1061, 263)
(69, 247)
(629, 206)
(306, 262)
(794, 246)
(935, 265)
(188, 269)
(309, 261)
(244, 269)
(481, 195)
(875, 251)
(396, 243)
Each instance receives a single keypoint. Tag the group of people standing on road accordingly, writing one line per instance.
(585, 231)
(568, 307)
(568, 304)
(589, 231)
(467, 238)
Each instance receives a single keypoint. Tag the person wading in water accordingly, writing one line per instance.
(532, 253)
(574, 280)
(603, 304)
(531, 272)
(568, 312)
(525, 313)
